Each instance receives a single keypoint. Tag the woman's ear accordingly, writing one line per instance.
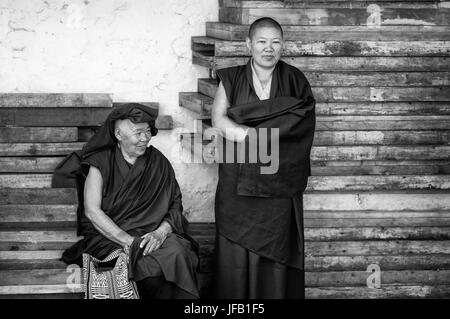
(248, 41)
(117, 134)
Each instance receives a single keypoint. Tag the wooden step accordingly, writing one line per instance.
(362, 93)
(59, 240)
(318, 241)
(39, 149)
(350, 153)
(38, 134)
(357, 79)
(41, 259)
(334, 138)
(312, 279)
(364, 48)
(70, 100)
(33, 196)
(201, 104)
(59, 216)
(427, 167)
(323, 63)
(269, 4)
(411, 200)
(64, 117)
(385, 292)
(29, 164)
(321, 15)
(235, 32)
(38, 215)
(316, 183)
(49, 259)
(380, 247)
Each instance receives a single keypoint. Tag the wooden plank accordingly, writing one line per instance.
(374, 182)
(55, 100)
(342, 48)
(39, 149)
(384, 201)
(357, 79)
(316, 63)
(56, 216)
(35, 215)
(380, 247)
(30, 255)
(361, 4)
(359, 278)
(361, 93)
(202, 104)
(235, 32)
(28, 165)
(380, 137)
(38, 134)
(38, 289)
(376, 233)
(64, 117)
(337, 16)
(396, 262)
(383, 108)
(25, 180)
(382, 168)
(335, 153)
(312, 279)
(388, 292)
(311, 222)
(49, 196)
(316, 183)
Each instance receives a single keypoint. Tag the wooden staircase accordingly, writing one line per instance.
(380, 191)
(37, 222)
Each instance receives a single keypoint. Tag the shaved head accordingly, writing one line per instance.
(265, 22)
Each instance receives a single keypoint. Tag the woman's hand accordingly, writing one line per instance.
(153, 240)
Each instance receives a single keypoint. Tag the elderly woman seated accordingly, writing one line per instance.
(131, 200)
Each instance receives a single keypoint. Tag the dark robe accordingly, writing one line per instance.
(263, 214)
(137, 198)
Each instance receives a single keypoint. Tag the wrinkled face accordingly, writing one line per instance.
(266, 46)
(133, 138)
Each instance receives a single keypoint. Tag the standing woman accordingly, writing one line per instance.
(259, 250)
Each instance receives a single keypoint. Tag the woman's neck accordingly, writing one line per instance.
(128, 158)
(263, 74)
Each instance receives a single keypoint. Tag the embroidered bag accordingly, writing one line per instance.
(111, 283)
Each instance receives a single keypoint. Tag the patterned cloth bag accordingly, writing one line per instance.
(111, 283)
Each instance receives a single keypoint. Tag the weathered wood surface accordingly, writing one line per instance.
(357, 79)
(312, 279)
(338, 16)
(235, 32)
(415, 4)
(29, 164)
(39, 149)
(316, 183)
(323, 63)
(64, 117)
(71, 100)
(202, 104)
(38, 134)
(54, 216)
(360, 202)
(385, 292)
(343, 48)
(49, 196)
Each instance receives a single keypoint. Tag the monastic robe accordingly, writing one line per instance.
(137, 198)
(264, 213)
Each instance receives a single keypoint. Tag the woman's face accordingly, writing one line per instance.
(266, 46)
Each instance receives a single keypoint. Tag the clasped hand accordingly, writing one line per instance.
(152, 241)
